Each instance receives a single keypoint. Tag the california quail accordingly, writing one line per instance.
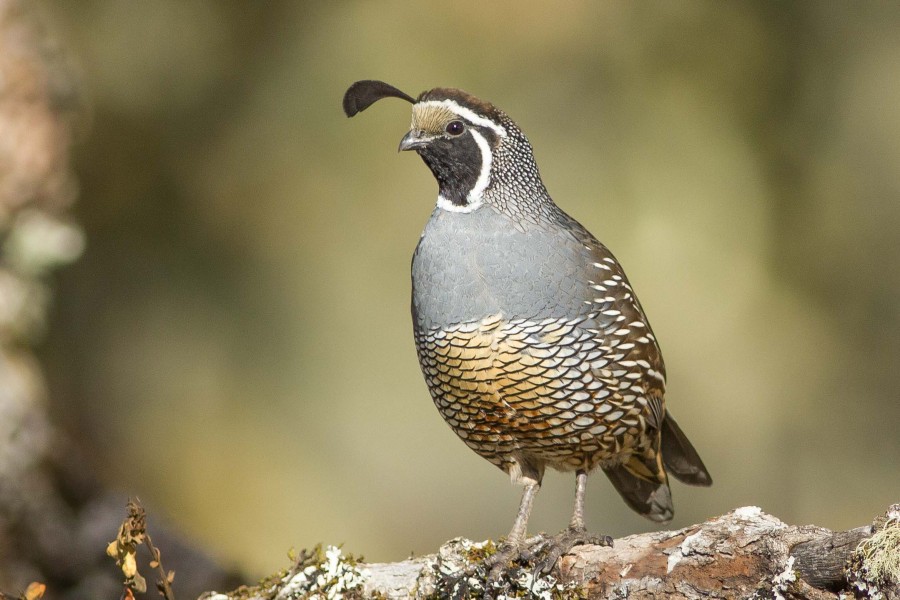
(533, 344)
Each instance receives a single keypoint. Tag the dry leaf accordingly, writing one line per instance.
(129, 565)
(34, 591)
(139, 584)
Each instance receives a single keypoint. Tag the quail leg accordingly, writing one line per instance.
(575, 535)
(515, 545)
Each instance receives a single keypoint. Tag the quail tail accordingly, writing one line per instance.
(679, 456)
(642, 483)
(642, 480)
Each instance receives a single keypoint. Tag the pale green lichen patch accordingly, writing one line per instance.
(323, 575)
(317, 574)
(875, 564)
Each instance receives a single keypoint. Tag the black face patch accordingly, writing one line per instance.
(456, 164)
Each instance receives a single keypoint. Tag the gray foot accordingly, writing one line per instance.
(553, 547)
(509, 555)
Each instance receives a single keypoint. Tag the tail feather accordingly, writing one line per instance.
(649, 498)
(642, 480)
(679, 456)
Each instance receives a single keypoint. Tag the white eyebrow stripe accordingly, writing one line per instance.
(465, 113)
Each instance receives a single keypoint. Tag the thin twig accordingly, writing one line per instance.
(164, 583)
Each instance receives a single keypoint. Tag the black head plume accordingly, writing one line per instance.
(363, 94)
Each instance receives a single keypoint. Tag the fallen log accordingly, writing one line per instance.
(745, 553)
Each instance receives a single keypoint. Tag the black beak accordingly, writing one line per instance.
(414, 140)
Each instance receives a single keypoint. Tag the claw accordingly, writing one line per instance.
(522, 553)
(562, 543)
(502, 569)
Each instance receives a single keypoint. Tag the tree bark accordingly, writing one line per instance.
(743, 554)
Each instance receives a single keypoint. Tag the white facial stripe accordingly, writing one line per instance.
(475, 197)
(485, 176)
(466, 114)
(445, 204)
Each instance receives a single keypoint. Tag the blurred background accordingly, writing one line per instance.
(234, 346)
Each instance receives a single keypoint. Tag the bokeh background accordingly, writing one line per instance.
(235, 345)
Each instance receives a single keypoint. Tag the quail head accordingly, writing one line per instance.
(532, 342)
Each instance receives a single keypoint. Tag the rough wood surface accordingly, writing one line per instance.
(821, 561)
(743, 554)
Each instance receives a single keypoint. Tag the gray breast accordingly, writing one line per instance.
(470, 265)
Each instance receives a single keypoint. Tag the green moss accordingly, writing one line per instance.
(479, 553)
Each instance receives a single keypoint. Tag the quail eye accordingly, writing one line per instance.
(455, 127)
